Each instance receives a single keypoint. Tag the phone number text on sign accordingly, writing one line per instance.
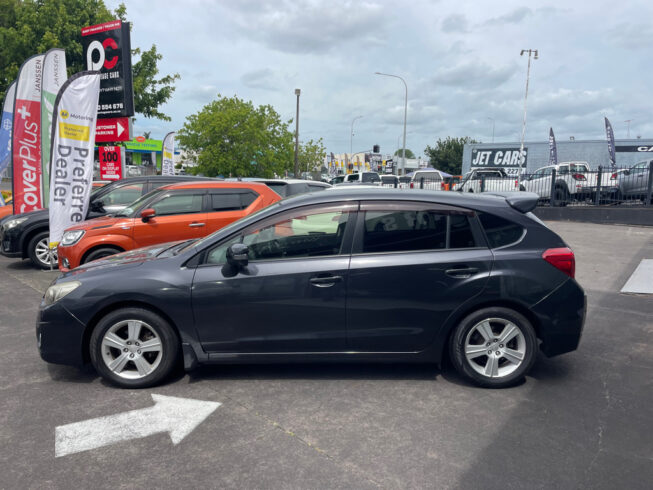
(110, 163)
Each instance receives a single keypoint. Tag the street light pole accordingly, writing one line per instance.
(628, 122)
(297, 92)
(523, 128)
(492, 119)
(351, 135)
(403, 150)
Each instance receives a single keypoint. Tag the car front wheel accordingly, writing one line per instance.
(134, 348)
(40, 253)
(494, 347)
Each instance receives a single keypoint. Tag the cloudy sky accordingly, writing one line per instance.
(460, 60)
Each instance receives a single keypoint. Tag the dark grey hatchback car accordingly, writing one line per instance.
(347, 275)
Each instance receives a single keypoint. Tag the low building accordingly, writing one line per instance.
(536, 154)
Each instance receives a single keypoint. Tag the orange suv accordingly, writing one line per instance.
(173, 212)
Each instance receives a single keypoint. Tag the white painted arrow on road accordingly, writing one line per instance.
(178, 416)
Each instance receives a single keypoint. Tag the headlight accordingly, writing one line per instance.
(72, 237)
(58, 291)
(13, 223)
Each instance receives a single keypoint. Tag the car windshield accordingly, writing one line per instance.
(129, 211)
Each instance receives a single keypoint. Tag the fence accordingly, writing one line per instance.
(570, 186)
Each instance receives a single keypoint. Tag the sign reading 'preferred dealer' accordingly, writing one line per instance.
(107, 48)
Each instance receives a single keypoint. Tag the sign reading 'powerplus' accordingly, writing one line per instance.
(505, 158)
(107, 48)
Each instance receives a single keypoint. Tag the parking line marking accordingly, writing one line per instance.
(641, 280)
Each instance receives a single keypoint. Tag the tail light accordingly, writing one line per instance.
(578, 176)
(614, 176)
(443, 187)
(412, 186)
(516, 183)
(562, 259)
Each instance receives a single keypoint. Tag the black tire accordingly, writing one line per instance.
(561, 196)
(35, 251)
(150, 323)
(468, 327)
(100, 253)
(522, 188)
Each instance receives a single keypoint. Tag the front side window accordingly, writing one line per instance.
(178, 204)
(402, 231)
(310, 234)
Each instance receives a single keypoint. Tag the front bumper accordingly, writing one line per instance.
(10, 243)
(59, 335)
(561, 317)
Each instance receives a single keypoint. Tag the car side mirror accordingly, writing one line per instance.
(147, 214)
(238, 255)
(97, 206)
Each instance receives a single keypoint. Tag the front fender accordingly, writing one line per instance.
(123, 242)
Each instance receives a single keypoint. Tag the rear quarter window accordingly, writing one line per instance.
(500, 231)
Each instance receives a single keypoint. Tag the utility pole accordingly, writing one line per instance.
(492, 119)
(627, 121)
(297, 92)
(523, 127)
(351, 135)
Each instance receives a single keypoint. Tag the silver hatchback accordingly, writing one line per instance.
(633, 183)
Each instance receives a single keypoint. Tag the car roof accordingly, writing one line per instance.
(215, 185)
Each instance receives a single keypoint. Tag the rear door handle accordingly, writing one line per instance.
(195, 225)
(462, 272)
(325, 281)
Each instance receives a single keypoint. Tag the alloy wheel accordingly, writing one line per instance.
(495, 347)
(132, 349)
(43, 253)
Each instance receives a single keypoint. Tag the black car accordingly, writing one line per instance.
(348, 275)
(25, 236)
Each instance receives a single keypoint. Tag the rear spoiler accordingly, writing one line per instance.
(523, 202)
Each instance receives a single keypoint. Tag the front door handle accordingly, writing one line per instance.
(195, 225)
(325, 281)
(462, 272)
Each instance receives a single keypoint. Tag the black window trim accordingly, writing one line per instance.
(357, 245)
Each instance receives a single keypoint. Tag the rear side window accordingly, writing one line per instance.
(232, 201)
(499, 231)
(402, 231)
(371, 177)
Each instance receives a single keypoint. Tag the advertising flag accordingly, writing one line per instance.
(168, 148)
(553, 149)
(26, 138)
(54, 76)
(73, 140)
(610, 135)
(5, 130)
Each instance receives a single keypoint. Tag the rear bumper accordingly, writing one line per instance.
(561, 317)
(59, 335)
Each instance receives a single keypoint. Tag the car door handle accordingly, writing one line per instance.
(325, 281)
(462, 272)
(195, 225)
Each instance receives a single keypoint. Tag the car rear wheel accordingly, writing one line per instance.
(134, 348)
(39, 251)
(561, 196)
(494, 347)
(100, 253)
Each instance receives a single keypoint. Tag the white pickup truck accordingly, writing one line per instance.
(487, 180)
(573, 181)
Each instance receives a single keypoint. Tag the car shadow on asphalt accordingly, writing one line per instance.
(72, 374)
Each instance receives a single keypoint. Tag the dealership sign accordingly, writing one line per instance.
(110, 163)
(107, 48)
(638, 149)
(505, 158)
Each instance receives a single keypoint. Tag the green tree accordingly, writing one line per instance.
(231, 137)
(28, 27)
(447, 154)
(311, 155)
(409, 153)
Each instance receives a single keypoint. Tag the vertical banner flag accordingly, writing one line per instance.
(5, 131)
(73, 141)
(168, 148)
(553, 149)
(54, 76)
(26, 138)
(610, 135)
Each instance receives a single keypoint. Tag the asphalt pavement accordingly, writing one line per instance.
(581, 420)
